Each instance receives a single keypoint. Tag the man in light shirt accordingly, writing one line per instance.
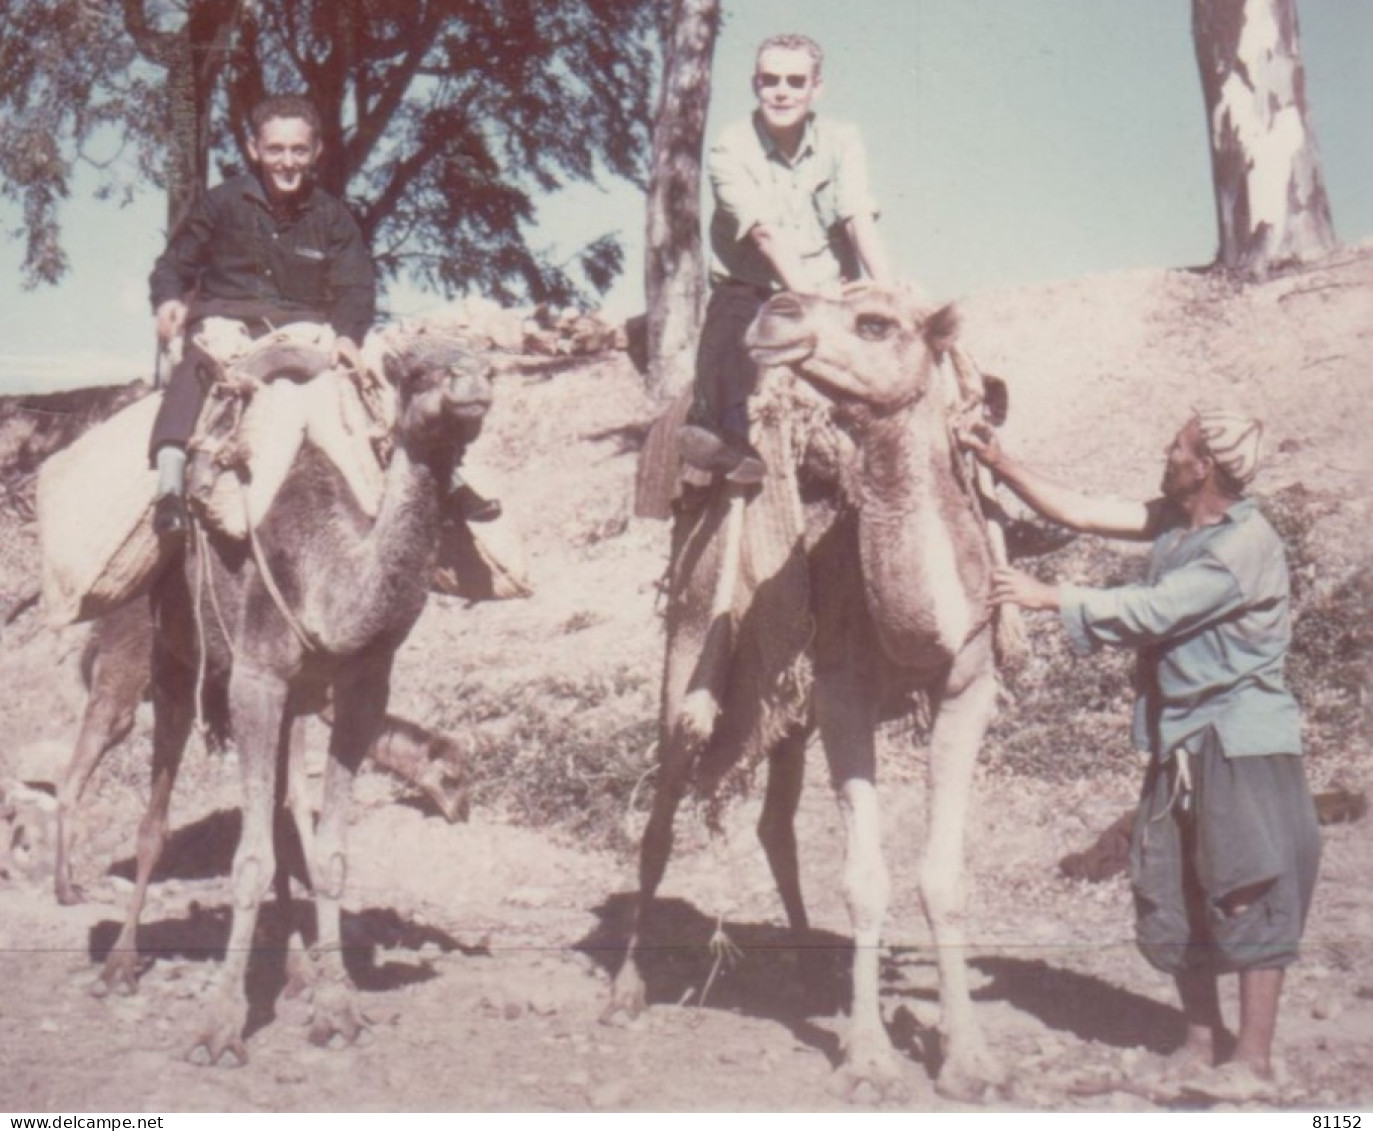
(792, 212)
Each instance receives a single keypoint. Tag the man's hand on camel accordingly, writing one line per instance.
(1015, 587)
(346, 353)
(171, 320)
(979, 437)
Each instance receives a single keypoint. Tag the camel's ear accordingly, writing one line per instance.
(393, 367)
(941, 328)
(996, 403)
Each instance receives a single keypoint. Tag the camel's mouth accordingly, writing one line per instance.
(780, 334)
(766, 353)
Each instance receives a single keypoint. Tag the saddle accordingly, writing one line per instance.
(272, 395)
(268, 397)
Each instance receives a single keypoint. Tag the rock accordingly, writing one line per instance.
(531, 897)
(1327, 1008)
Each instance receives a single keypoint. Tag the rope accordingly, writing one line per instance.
(307, 641)
(1011, 637)
(201, 665)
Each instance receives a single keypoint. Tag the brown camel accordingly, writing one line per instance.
(894, 597)
(323, 600)
(117, 668)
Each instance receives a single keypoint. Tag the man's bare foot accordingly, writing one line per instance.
(1236, 1082)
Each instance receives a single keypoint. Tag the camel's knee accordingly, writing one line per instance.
(941, 893)
(333, 875)
(867, 889)
(152, 835)
(252, 878)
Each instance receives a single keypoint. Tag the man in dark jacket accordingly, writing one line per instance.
(266, 248)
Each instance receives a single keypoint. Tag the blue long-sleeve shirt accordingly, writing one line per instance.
(1212, 623)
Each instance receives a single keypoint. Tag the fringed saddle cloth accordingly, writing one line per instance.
(277, 392)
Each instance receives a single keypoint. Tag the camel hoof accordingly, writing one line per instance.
(69, 894)
(336, 1023)
(119, 976)
(214, 1050)
(220, 1043)
(870, 1073)
(871, 1084)
(976, 1079)
(628, 996)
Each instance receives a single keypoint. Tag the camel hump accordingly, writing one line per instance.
(278, 391)
(240, 463)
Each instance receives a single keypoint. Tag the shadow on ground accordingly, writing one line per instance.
(202, 935)
(775, 979)
(771, 977)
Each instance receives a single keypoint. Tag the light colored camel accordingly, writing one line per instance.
(898, 569)
(353, 587)
(117, 667)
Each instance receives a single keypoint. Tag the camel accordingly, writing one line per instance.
(895, 570)
(117, 668)
(321, 597)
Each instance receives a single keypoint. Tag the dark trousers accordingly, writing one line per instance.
(186, 389)
(725, 374)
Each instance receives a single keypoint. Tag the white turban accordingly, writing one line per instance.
(1234, 442)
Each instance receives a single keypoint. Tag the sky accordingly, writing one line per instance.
(1009, 142)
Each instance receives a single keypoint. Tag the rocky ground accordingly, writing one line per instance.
(482, 950)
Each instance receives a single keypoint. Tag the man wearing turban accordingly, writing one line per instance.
(1225, 847)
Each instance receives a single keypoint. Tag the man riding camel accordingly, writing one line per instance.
(265, 248)
(792, 212)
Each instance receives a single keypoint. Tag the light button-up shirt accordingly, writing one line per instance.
(807, 196)
(1212, 623)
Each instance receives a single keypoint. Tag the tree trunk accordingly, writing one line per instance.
(193, 56)
(1271, 205)
(674, 269)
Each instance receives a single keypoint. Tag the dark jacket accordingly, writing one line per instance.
(234, 257)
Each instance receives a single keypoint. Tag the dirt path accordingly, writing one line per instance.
(481, 955)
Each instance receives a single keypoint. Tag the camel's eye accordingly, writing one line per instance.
(875, 327)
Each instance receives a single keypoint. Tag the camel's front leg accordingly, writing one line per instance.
(968, 1070)
(628, 994)
(359, 714)
(257, 702)
(846, 720)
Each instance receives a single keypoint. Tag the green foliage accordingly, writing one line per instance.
(1332, 633)
(1064, 718)
(441, 118)
(59, 60)
(562, 752)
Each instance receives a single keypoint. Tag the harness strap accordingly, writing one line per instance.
(307, 641)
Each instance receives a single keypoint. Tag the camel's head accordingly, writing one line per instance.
(874, 345)
(443, 383)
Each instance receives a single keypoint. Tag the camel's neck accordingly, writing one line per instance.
(926, 566)
(380, 585)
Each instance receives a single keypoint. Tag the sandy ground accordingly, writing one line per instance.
(481, 951)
